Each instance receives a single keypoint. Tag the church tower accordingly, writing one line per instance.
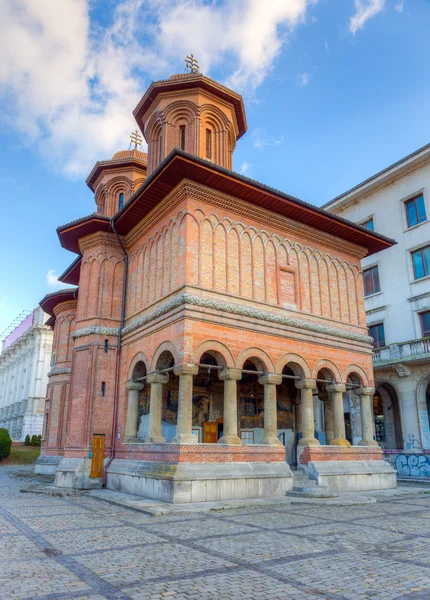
(194, 113)
(115, 181)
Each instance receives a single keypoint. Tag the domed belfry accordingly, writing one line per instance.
(214, 329)
(193, 113)
(114, 181)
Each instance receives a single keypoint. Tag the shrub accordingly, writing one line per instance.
(5, 443)
(27, 440)
(39, 440)
(33, 440)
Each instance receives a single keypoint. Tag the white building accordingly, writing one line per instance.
(396, 202)
(24, 366)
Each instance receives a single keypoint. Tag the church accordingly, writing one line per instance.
(213, 338)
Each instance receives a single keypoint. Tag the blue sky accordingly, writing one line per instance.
(335, 90)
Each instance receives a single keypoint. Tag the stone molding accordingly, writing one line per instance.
(95, 330)
(236, 309)
(59, 371)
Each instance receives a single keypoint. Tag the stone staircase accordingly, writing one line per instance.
(303, 487)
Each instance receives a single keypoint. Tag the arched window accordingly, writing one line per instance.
(121, 201)
(208, 144)
(182, 137)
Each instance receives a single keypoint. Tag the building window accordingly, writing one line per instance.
(425, 323)
(378, 334)
(121, 201)
(103, 389)
(415, 211)
(182, 137)
(421, 262)
(369, 224)
(371, 281)
(208, 144)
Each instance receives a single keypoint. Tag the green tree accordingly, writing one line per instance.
(5, 443)
(33, 440)
(27, 440)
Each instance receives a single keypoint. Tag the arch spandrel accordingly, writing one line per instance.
(165, 347)
(296, 363)
(262, 359)
(218, 350)
(356, 370)
(139, 357)
(327, 365)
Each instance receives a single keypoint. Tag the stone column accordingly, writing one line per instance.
(336, 390)
(328, 420)
(230, 378)
(366, 413)
(134, 388)
(270, 381)
(184, 433)
(307, 412)
(156, 380)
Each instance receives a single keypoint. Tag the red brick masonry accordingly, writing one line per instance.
(320, 453)
(195, 453)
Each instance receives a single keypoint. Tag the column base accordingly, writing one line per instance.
(230, 439)
(185, 438)
(340, 442)
(154, 439)
(367, 443)
(309, 442)
(271, 441)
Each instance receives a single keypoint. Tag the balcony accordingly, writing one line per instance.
(403, 352)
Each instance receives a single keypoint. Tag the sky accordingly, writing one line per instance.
(335, 90)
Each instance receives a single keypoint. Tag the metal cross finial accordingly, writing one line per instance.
(192, 64)
(136, 138)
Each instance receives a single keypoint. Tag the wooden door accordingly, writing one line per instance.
(97, 456)
(210, 432)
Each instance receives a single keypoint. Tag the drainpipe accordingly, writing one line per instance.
(118, 356)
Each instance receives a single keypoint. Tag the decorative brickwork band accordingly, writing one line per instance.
(237, 309)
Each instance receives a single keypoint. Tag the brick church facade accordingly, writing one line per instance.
(214, 328)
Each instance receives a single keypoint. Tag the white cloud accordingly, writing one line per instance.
(303, 79)
(399, 6)
(245, 168)
(51, 279)
(364, 10)
(69, 87)
(260, 139)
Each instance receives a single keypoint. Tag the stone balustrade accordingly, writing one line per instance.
(402, 352)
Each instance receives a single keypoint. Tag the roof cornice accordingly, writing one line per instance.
(399, 169)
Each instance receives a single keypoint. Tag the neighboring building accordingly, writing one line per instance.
(212, 316)
(24, 366)
(396, 202)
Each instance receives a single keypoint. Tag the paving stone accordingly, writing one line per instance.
(80, 548)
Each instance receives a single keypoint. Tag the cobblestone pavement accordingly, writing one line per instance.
(78, 547)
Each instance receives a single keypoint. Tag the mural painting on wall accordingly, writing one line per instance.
(144, 402)
(170, 407)
(413, 465)
(201, 406)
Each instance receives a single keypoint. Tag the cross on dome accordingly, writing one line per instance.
(136, 139)
(192, 64)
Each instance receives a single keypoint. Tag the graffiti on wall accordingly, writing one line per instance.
(425, 428)
(413, 465)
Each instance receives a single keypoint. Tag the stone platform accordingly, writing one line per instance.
(200, 482)
(348, 469)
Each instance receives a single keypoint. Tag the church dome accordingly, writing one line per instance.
(130, 154)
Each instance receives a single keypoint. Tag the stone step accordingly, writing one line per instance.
(312, 492)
